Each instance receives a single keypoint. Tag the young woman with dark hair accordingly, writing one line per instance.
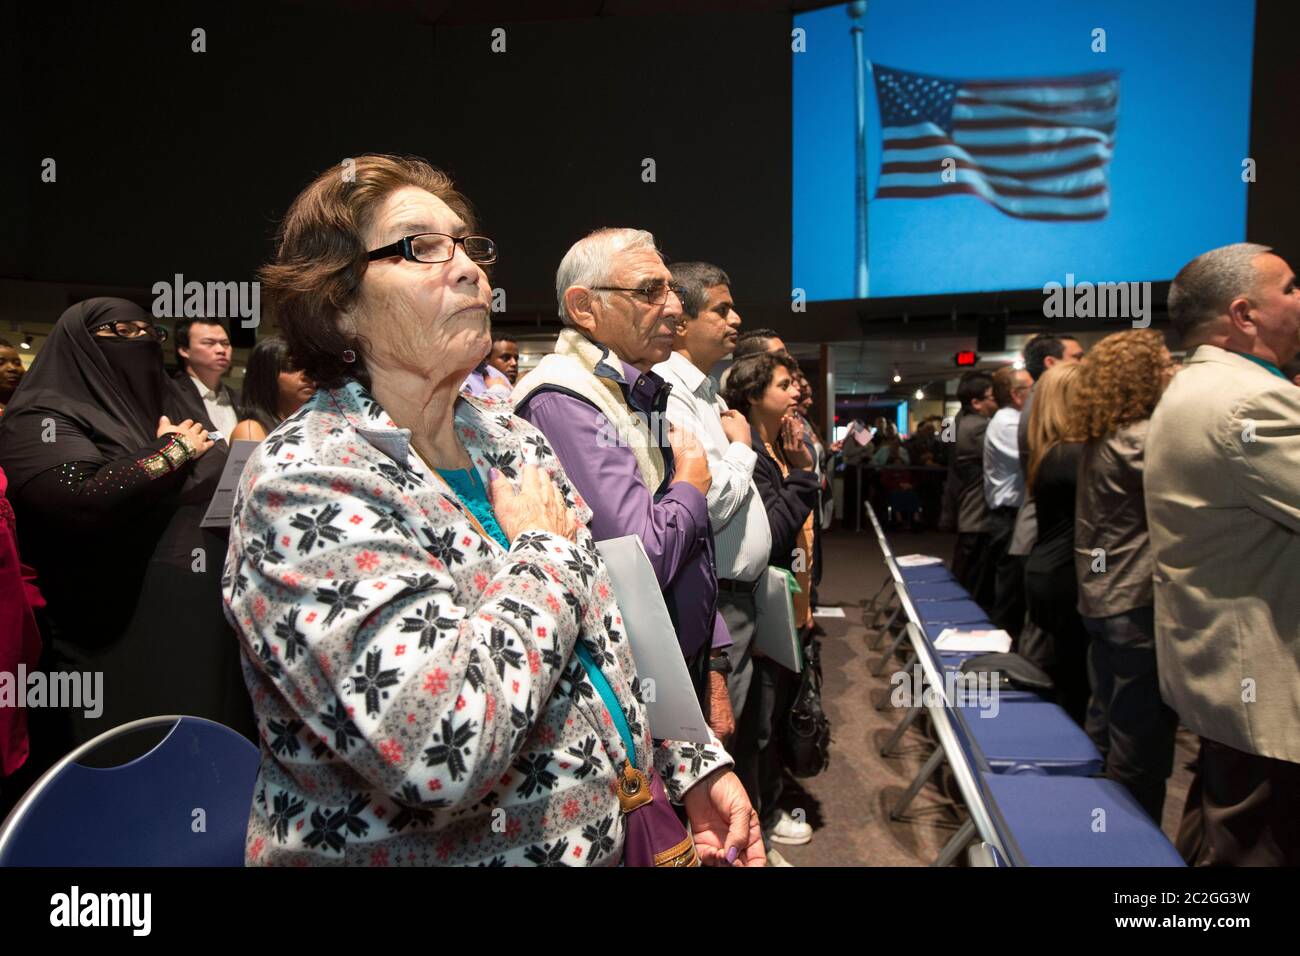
(273, 390)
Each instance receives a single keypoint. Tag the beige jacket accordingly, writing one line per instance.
(1223, 507)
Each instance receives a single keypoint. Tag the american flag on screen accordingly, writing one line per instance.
(1034, 148)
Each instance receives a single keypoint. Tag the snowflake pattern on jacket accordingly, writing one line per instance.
(416, 690)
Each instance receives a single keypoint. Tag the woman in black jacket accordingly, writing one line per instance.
(1051, 587)
(762, 388)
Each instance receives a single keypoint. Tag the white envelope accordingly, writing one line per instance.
(671, 704)
(775, 633)
(916, 560)
(222, 505)
(988, 642)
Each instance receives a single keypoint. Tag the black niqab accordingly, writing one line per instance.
(112, 391)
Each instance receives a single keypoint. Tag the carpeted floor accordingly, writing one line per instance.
(848, 804)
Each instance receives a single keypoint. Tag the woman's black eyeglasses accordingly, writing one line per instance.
(134, 330)
(436, 247)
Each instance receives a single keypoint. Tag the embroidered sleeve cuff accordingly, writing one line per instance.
(683, 764)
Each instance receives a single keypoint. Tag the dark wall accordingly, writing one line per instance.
(174, 161)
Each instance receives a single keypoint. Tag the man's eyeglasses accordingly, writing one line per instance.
(132, 330)
(436, 247)
(653, 294)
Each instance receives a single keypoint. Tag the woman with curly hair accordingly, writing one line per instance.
(1119, 385)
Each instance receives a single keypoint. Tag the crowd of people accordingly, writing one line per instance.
(409, 613)
(433, 660)
(1134, 523)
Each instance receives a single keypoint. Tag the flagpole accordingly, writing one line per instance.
(858, 12)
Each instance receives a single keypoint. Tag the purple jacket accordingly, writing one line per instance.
(672, 522)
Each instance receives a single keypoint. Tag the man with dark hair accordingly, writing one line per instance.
(1046, 349)
(11, 372)
(964, 508)
(1222, 482)
(1004, 492)
(757, 340)
(706, 332)
(203, 352)
(505, 356)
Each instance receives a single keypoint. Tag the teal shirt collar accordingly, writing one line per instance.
(1263, 363)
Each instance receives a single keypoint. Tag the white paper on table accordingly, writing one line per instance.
(916, 560)
(671, 704)
(775, 633)
(989, 642)
(828, 612)
(222, 505)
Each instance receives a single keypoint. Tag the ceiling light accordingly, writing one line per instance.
(920, 394)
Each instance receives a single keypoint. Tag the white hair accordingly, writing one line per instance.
(590, 260)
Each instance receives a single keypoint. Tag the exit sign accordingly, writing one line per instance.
(965, 359)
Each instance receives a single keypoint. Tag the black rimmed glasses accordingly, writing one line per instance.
(655, 293)
(437, 247)
(133, 330)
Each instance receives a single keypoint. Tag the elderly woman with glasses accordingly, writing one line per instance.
(111, 467)
(439, 669)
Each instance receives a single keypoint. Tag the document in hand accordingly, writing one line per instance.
(775, 633)
(671, 704)
(222, 505)
(988, 642)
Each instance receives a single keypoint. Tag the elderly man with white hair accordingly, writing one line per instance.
(1223, 508)
(603, 410)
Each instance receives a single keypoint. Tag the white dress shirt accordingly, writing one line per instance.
(220, 406)
(1004, 485)
(742, 535)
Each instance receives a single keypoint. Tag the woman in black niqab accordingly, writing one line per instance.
(108, 504)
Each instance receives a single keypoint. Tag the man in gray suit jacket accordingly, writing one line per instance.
(964, 509)
(1223, 506)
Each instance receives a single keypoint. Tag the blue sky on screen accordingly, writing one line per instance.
(1175, 180)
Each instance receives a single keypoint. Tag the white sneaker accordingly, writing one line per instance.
(776, 859)
(789, 831)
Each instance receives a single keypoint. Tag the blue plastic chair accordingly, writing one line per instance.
(923, 591)
(143, 813)
(1030, 736)
(1074, 821)
(963, 611)
(1029, 818)
(925, 574)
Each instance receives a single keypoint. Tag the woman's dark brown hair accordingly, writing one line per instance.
(320, 258)
(750, 376)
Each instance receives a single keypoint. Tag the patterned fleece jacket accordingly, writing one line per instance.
(416, 688)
